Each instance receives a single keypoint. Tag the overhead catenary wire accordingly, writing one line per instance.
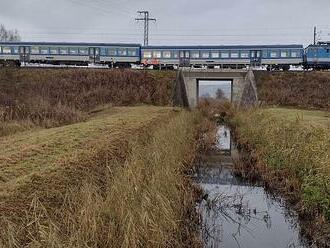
(95, 7)
(115, 6)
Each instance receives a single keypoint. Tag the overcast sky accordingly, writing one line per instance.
(179, 22)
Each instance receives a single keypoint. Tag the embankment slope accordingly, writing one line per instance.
(309, 90)
(114, 180)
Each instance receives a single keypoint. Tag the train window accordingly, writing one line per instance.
(73, 50)
(44, 50)
(15, 50)
(244, 54)
(167, 54)
(224, 55)
(112, 51)
(63, 51)
(234, 55)
(6, 50)
(53, 50)
(147, 55)
(104, 51)
(265, 54)
(294, 54)
(122, 52)
(131, 52)
(215, 54)
(157, 54)
(273, 54)
(83, 51)
(195, 54)
(205, 54)
(182, 54)
(0, 50)
(284, 54)
(35, 50)
(176, 54)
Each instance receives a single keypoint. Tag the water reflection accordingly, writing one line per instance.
(237, 214)
(223, 139)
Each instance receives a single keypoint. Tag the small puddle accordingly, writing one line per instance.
(237, 214)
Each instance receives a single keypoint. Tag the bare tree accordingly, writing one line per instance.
(8, 35)
(220, 95)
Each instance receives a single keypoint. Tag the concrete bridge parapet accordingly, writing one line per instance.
(244, 91)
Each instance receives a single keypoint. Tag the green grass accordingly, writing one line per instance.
(292, 150)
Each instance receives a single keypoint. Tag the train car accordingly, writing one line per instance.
(318, 56)
(273, 56)
(57, 53)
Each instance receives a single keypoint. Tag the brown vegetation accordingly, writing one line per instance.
(298, 89)
(116, 180)
(54, 97)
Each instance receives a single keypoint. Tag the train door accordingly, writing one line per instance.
(184, 56)
(255, 58)
(94, 55)
(24, 54)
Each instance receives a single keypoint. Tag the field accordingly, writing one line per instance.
(290, 151)
(117, 178)
(307, 117)
(98, 158)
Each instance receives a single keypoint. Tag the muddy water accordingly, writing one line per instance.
(237, 214)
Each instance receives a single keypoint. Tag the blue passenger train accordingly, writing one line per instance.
(276, 56)
(170, 57)
(57, 53)
(317, 56)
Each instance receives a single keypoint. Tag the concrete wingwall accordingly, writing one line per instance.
(244, 91)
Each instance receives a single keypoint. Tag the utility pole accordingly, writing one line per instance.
(315, 34)
(146, 20)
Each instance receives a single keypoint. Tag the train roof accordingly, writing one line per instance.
(25, 43)
(226, 47)
(320, 44)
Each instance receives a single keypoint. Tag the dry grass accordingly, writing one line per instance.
(307, 117)
(107, 182)
(299, 89)
(292, 154)
(54, 97)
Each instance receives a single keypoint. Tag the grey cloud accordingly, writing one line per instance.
(179, 21)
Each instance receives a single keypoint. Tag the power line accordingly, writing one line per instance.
(123, 10)
(96, 7)
(172, 35)
(111, 8)
(146, 20)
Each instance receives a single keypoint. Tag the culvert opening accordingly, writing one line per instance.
(219, 89)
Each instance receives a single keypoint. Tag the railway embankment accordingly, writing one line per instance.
(305, 90)
(289, 150)
(31, 98)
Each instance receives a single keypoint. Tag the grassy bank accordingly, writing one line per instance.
(116, 180)
(291, 151)
(55, 97)
(309, 90)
